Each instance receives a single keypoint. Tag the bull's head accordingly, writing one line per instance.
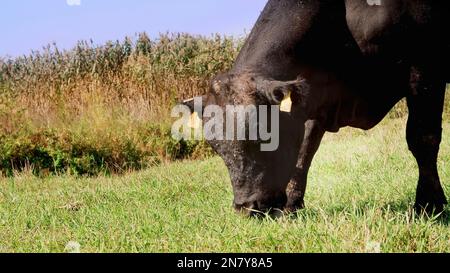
(260, 177)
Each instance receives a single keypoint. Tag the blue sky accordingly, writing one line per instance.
(31, 24)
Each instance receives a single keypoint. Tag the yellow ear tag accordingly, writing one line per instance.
(286, 104)
(194, 121)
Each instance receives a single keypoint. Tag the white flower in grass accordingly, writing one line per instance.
(72, 247)
(3, 249)
(373, 247)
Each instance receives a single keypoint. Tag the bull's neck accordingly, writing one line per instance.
(311, 39)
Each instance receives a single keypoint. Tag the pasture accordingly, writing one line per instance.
(360, 196)
(86, 159)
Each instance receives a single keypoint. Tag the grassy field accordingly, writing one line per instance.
(359, 199)
(86, 158)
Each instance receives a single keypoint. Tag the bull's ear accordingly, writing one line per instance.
(285, 94)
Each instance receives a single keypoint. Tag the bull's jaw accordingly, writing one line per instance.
(260, 179)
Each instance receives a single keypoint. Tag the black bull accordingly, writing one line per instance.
(347, 63)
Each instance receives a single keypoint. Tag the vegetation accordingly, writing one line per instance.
(71, 121)
(360, 197)
(104, 109)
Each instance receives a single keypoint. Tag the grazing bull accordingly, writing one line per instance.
(343, 63)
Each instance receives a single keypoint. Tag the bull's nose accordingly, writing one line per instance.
(247, 208)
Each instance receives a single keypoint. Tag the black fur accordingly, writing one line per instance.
(348, 63)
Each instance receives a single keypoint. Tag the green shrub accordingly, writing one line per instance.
(66, 152)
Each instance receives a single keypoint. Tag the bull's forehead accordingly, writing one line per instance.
(237, 90)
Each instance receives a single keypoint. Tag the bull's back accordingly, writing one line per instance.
(400, 30)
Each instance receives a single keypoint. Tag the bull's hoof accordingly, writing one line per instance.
(430, 199)
(429, 208)
(292, 206)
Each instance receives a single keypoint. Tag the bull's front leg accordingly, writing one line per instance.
(296, 189)
(424, 132)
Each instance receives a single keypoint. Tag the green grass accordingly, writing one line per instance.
(361, 191)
